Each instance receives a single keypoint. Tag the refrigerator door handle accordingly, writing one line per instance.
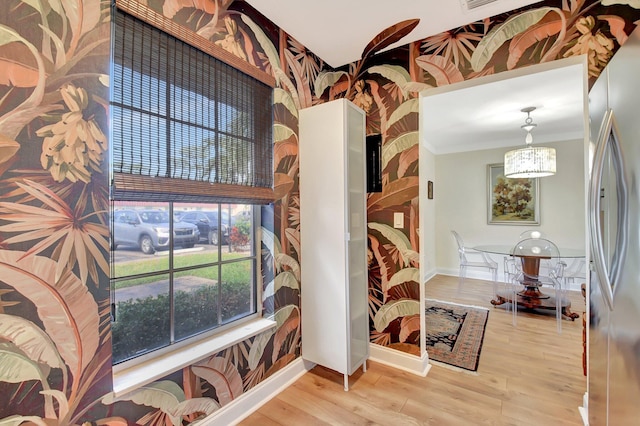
(608, 278)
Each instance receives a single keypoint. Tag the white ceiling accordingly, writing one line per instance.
(486, 113)
(337, 31)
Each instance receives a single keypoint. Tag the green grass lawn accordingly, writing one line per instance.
(236, 272)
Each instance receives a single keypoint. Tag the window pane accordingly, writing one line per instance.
(143, 317)
(211, 231)
(140, 238)
(137, 90)
(237, 293)
(193, 155)
(241, 231)
(196, 301)
(192, 107)
(142, 133)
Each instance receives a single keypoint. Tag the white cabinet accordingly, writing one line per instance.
(333, 234)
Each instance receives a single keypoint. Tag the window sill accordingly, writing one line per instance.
(131, 378)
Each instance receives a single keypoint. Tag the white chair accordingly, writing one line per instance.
(510, 269)
(531, 233)
(483, 262)
(511, 283)
(534, 233)
(575, 271)
(552, 274)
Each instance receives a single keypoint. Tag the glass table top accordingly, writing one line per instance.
(506, 250)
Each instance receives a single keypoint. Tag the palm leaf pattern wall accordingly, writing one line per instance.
(55, 341)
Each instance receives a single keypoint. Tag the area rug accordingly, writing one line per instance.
(455, 333)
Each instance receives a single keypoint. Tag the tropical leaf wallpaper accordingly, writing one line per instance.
(55, 336)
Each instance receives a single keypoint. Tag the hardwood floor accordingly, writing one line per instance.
(528, 375)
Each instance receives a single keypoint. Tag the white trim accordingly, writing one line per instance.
(247, 403)
(429, 274)
(471, 274)
(128, 379)
(400, 360)
(584, 410)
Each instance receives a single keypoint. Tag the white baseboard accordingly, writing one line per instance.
(447, 271)
(474, 274)
(241, 407)
(400, 360)
(429, 274)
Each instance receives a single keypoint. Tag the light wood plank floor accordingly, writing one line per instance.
(528, 375)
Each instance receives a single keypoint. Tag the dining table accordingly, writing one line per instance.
(531, 297)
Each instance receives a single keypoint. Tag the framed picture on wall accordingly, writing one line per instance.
(511, 201)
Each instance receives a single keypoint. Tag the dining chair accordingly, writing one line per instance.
(481, 261)
(575, 271)
(534, 233)
(552, 276)
(511, 285)
(531, 233)
(510, 270)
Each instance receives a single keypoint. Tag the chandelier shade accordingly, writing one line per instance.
(531, 161)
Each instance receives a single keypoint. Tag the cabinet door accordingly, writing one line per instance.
(357, 241)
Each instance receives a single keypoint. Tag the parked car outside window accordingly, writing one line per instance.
(207, 223)
(149, 230)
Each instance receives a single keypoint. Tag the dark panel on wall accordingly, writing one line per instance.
(374, 163)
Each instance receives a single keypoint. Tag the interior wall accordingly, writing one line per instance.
(428, 216)
(462, 179)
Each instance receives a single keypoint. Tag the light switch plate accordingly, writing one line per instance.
(398, 220)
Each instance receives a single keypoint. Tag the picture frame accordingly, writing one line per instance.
(511, 201)
(430, 190)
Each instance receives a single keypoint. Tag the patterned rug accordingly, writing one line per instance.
(455, 333)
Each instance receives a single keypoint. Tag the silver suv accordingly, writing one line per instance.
(149, 230)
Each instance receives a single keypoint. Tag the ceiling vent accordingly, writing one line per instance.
(474, 4)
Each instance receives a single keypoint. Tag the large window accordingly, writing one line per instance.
(192, 155)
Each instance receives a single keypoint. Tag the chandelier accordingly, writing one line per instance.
(531, 161)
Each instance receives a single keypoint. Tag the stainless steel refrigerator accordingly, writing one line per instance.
(614, 199)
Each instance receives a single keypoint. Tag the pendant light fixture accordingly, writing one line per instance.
(531, 161)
